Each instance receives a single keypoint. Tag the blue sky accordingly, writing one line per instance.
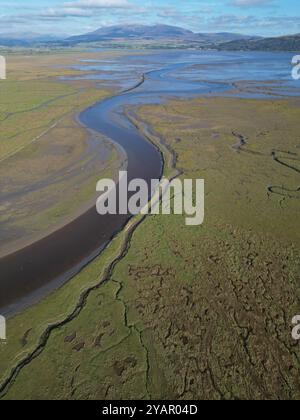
(68, 17)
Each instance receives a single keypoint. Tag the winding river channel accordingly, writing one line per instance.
(33, 272)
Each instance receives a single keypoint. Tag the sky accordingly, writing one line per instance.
(72, 17)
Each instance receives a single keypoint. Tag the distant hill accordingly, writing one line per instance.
(156, 36)
(126, 34)
(283, 43)
(27, 39)
(223, 37)
(133, 32)
(152, 33)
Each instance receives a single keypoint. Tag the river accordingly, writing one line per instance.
(31, 273)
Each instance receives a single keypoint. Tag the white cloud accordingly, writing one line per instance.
(61, 13)
(251, 3)
(99, 4)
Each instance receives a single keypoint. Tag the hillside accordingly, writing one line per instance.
(153, 33)
(284, 43)
(157, 36)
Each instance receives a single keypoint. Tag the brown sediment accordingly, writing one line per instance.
(39, 206)
(128, 230)
(30, 273)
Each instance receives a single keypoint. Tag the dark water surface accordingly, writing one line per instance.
(34, 271)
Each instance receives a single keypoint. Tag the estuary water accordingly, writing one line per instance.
(142, 77)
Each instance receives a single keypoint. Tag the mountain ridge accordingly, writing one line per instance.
(157, 35)
(152, 32)
(282, 43)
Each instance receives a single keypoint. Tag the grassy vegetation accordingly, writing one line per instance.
(32, 100)
(186, 312)
(283, 43)
(49, 163)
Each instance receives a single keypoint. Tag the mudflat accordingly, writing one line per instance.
(186, 313)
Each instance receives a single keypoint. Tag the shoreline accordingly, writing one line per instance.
(123, 242)
(168, 163)
(81, 210)
(87, 222)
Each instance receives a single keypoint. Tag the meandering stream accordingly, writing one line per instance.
(32, 272)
